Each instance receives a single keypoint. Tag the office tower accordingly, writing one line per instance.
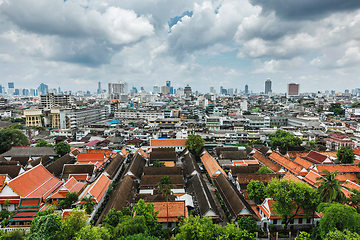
(99, 88)
(246, 89)
(59, 90)
(332, 92)
(168, 83)
(116, 89)
(11, 88)
(221, 89)
(142, 89)
(43, 89)
(235, 92)
(126, 88)
(25, 92)
(1, 89)
(293, 89)
(171, 90)
(231, 91)
(187, 91)
(268, 86)
(346, 90)
(165, 90)
(156, 89)
(17, 92)
(211, 89)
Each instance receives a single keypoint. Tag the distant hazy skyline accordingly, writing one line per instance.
(74, 44)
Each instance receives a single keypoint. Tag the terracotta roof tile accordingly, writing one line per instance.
(175, 210)
(167, 142)
(98, 188)
(290, 176)
(90, 157)
(318, 158)
(264, 160)
(296, 154)
(310, 178)
(211, 165)
(107, 152)
(288, 164)
(341, 168)
(351, 185)
(245, 162)
(306, 164)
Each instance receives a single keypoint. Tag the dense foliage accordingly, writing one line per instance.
(194, 143)
(43, 143)
(336, 109)
(264, 170)
(256, 191)
(11, 137)
(330, 188)
(284, 140)
(345, 155)
(62, 148)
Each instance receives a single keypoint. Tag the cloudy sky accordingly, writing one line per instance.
(73, 44)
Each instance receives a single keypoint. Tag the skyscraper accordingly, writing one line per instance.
(1, 89)
(156, 89)
(268, 86)
(11, 89)
(43, 89)
(221, 90)
(246, 89)
(99, 88)
(293, 89)
(115, 90)
(187, 91)
(211, 89)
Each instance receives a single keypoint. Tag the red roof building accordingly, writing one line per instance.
(97, 189)
(318, 158)
(178, 144)
(337, 141)
(72, 185)
(211, 165)
(286, 163)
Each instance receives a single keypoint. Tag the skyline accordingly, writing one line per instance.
(225, 43)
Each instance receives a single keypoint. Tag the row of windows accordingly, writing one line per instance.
(300, 221)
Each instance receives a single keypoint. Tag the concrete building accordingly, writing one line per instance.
(187, 91)
(268, 86)
(165, 90)
(293, 89)
(71, 119)
(51, 100)
(116, 90)
(246, 89)
(33, 117)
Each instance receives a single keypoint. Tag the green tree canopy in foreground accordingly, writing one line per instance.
(291, 197)
(194, 143)
(256, 191)
(62, 148)
(284, 140)
(345, 155)
(330, 188)
(11, 137)
(43, 143)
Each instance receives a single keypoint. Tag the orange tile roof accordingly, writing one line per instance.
(79, 177)
(2, 179)
(167, 142)
(98, 188)
(90, 157)
(245, 162)
(342, 168)
(296, 154)
(306, 164)
(107, 152)
(288, 164)
(175, 209)
(124, 152)
(168, 163)
(347, 176)
(356, 151)
(290, 176)
(211, 165)
(142, 153)
(351, 185)
(310, 178)
(36, 182)
(346, 192)
(72, 185)
(264, 160)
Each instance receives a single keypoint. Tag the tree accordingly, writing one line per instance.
(311, 145)
(247, 223)
(157, 163)
(354, 200)
(70, 199)
(284, 140)
(336, 109)
(11, 137)
(131, 225)
(330, 188)
(43, 143)
(345, 235)
(303, 236)
(150, 215)
(194, 143)
(88, 204)
(62, 148)
(345, 155)
(355, 105)
(256, 191)
(72, 224)
(338, 217)
(291, 197)
(45, 227)
(113, 218)
(264, 170)
(139, 236)
(246, 113)
(94, 233)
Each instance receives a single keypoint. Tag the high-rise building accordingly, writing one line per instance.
(246, 89)
(115, 90)
(1, 89)
(43, 89)
(11, 89)
(231, 91)
(171, 90)
(50, 100)
(268, 86)
(156, 89)
(187, 91)
(211, 89)
(11, 85)
(165, 90)
(25, 92)
(168, 83)
(333, 92)
(293, 89)
(59, 90)
(17, 92)
(346, 90)
(221, 89)
(99, 88)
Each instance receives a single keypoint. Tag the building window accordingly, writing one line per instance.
(308, 221)
(300, 220)
(275, 221)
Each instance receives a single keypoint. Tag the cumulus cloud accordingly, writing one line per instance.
(278, 66)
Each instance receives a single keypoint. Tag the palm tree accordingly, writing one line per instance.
(88, 204)
(330, 187)
(165, 186)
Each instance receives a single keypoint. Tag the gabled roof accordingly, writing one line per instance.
(306, 164)
(219, 149)
(189, 164)
(22, 160)
(44, 160)
(167, 142)
(318, 158)
(97, 189)
(296, 154)
(244, 179)
(77, 169)
(152, 181)
(90, 157)
(235, 202)
(72, 185)
(264, 160)
(162, 171)
(36, 182)
(288, 164)
(341, 168)
(26, 211)
(310, 178)
(235, 170)
(10, 169)
(163, 155)
(356, 151)
(170, 211)
(114, 165)
(57, 166)
(30, 151)
(211, 165)
(124, 152)
(136, 167)
(233, 155)
(107, 152)
(197, 187)
(250, 162)
(292, 177)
